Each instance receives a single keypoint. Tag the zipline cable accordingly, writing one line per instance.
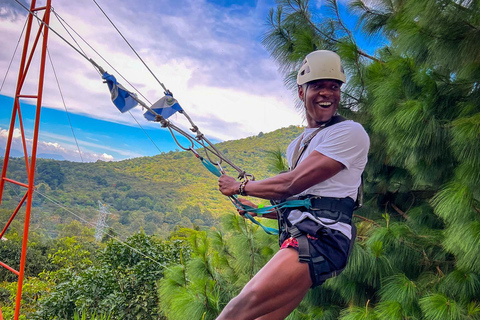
(159, 118)
(13, 56)
(51, 29)
(66, 30)
(146, 133)
(64, 104)
(200, 138)
(34, 14)
(62, 22)
(94, 225)
(128, 43)
(63, 100)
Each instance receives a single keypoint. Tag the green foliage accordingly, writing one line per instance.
(418, 97)
(121, 283)
(158, 194)
(50, 172)
(36, 257)
(417, 250)
(399, 298)
(33, 289)
(220, 266)
(84, 316)
(359, 313)
(439, 307)
(276, 160)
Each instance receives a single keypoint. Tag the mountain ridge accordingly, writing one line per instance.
(155, 193)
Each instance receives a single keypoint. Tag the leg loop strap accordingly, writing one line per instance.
(303, 245)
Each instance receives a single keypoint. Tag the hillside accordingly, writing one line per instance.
(154, 193)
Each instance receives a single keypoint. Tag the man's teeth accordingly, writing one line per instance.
(325, 104)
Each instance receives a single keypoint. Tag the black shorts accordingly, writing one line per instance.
(329, 250)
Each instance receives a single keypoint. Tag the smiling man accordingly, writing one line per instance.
(326, 163)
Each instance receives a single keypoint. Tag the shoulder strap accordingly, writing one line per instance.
(300, 149)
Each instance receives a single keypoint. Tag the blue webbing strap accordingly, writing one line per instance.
(210, 167)
(213, 169)
(259, 211)
(247, 215)
(268, 230)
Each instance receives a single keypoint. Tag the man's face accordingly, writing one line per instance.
(321, 99)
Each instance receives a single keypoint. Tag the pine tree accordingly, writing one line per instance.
(417, 254)
(418, 250)
(221, 264)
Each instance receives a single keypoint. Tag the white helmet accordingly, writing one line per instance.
(321, 64)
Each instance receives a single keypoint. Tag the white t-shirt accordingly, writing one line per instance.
(346, 142)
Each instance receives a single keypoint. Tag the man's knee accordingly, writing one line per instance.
(248, 297)
(242, 305)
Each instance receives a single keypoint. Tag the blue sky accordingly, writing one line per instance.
(207, 52)
(98, 139)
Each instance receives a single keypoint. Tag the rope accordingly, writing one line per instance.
(90, 60)
(34, 14)
(164, 122)
(138, 123)
(195, 128)
(210, 167)
(60, 21)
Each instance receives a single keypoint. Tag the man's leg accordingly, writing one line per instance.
(276, 289)
(284, 311)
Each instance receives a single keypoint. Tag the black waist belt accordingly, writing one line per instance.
(344, 205)
(333, 206)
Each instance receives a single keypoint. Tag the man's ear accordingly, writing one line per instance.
(300, 92)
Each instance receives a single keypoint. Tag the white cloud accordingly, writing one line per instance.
(48, 148)
(106, 157)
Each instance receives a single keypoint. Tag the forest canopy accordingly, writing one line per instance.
(417, 254)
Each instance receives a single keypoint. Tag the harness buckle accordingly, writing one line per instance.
(303, 258)
(311, 203)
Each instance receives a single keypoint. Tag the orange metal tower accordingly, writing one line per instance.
(30, 159)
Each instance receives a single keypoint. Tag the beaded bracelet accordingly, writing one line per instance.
(241, 187)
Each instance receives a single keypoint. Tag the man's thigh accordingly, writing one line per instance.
(279, 286)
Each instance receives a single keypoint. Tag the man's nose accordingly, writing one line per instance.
(324, 92)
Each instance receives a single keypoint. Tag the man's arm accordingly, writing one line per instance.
(314, 169)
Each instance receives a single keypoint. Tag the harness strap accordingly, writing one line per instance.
(300, 149)
(303, 245)
(336, 208)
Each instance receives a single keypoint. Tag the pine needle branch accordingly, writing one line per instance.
(351, 37)
(303, 13)
(366, 219)
(399, 211)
